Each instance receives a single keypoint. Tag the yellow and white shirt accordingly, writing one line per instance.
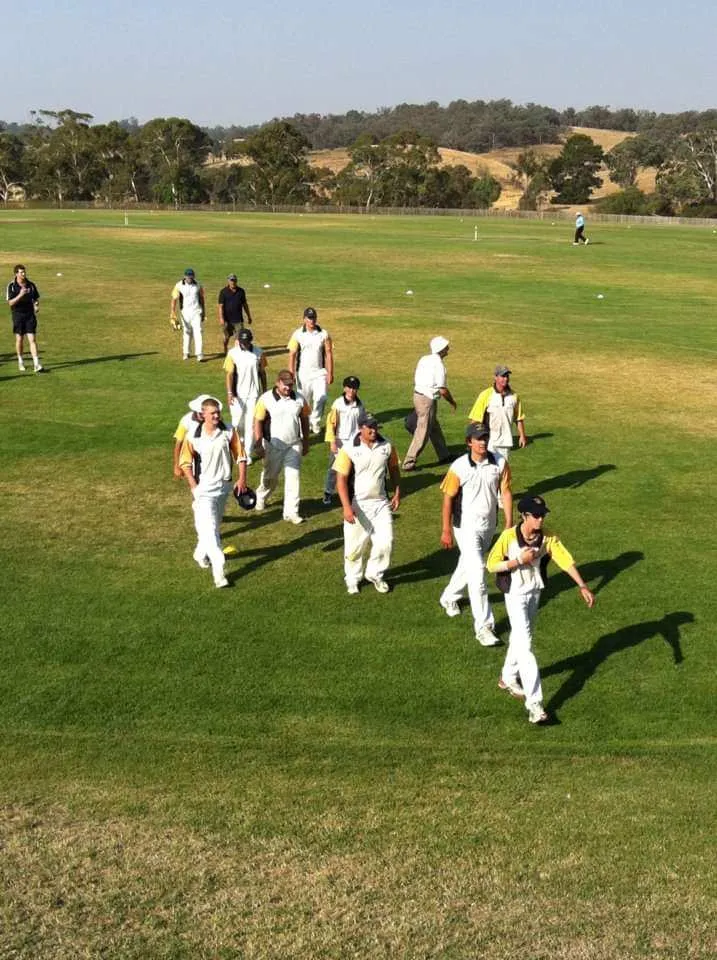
(498, 412)
(311, 345)
(474, 487)
(369, 465)
(184, 426)
(246, 364)
(529, 577)
(285, 415)
(210, 456)
(342, 420)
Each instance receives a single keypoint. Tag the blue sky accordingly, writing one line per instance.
(218, 64)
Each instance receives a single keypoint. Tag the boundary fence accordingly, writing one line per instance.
(330, 209)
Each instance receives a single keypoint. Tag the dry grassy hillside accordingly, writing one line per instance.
(497, 163)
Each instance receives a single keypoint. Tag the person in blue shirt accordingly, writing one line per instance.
(580, 230)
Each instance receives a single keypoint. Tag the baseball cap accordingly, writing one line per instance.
(367, 420)
(352, 382)
(310, 313)
(438, 344)
(502, 371)
(196, 405)
(189, 272)
(245, 335)
(477, 431)
(535, 506)
(232, 276)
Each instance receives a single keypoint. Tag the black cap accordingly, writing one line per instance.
(352, 382)
(535, 506)
(367, 420)
(245, 335)
(232, 276)
(502, 371)
(476, 431)
(310, 313)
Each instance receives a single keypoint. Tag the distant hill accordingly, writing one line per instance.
(497, 163)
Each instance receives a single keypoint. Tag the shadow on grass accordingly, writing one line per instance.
(260, 556)
(585, 665)
(604, 571)
(88, 360)
(275, 350)
(434, 566)
(568, 481)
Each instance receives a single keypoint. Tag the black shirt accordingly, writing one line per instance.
(233, 301)
(25, 308)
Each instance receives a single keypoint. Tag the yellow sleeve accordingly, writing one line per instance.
(505, 478)
(558, 552)
(342, 463)
(186, 454)
(175, 291)
(228, 365)
(499, 550)
(451, 484)
(332, 422)
(293, 345)
(260, 410)
(180, 433)
(519, 415)
(479, 407)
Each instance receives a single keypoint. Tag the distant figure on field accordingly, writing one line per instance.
(23, 298)
(429, 386)
(580, 231)
(519, 558)
(188, 296)
(231, 307)
(311, 361)
(498, 408)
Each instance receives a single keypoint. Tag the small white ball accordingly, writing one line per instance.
(600, 296)
(267, 286)
(59, 274)
(409, 293)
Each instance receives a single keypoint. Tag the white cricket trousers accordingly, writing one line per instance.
(208, 512)
(192, 328)
(279, 455)
(242, 414)
(474, 538)
(314, 391)
(374, 527)
(520, 662)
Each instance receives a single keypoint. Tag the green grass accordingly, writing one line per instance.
(278, 769)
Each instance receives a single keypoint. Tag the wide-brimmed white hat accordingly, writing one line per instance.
(196, 405)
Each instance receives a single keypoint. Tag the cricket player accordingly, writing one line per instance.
(281, 436)
(470, 506)
(311, 362)
(429, 385)
(361, 467)
(498, 408)
(519, 558)
(580, 231)
(341, 428)
(188, 296)
(23, 298)
(245, 369)
(188, 422)
(206, 461)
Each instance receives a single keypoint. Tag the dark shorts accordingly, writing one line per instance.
(228, 329)
(24, 325)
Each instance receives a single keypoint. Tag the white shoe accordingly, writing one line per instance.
(21, 366)
(39, 368)
(379, 584)
(451, 608)
(200, 359)
(586, 241)
(222, 582)
(185, 356)
(352, 589)
(486, 637)
(260, 505)
(295, 519)
(201, 560)
(536, 714)
(513, 688)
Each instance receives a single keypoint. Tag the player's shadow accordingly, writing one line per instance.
(275, 350)
(568, 481)
(432, 566)
(88, 360)
(534, 437)
(258, 557)
(602, 571)
(411, 483)
(583, 666)
(399, 413)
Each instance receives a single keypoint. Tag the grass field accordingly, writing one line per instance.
(277, 769)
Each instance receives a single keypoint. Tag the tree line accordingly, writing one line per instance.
(62, 156)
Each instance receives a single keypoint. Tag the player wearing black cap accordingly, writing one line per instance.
(519, 558)
(311, 361)
(341, 428)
